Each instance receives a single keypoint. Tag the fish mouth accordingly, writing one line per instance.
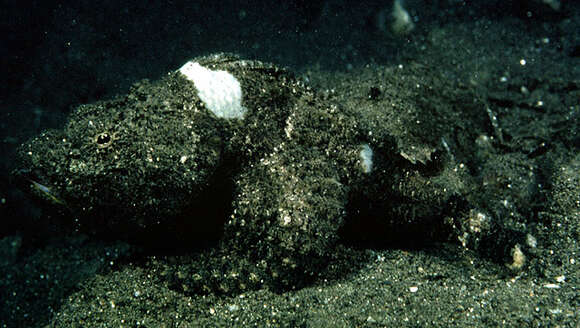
(46, 193)
(31, 184)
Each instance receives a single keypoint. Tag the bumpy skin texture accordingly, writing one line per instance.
(275, 186)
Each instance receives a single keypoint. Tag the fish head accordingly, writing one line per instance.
(127, 164)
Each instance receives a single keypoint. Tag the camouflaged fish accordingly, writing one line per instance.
(239, 151)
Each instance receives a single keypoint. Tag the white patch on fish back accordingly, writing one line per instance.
(220, 91)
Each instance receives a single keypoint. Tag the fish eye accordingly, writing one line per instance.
(103, 140)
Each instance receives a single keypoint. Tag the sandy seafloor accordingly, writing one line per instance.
(521, 57)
